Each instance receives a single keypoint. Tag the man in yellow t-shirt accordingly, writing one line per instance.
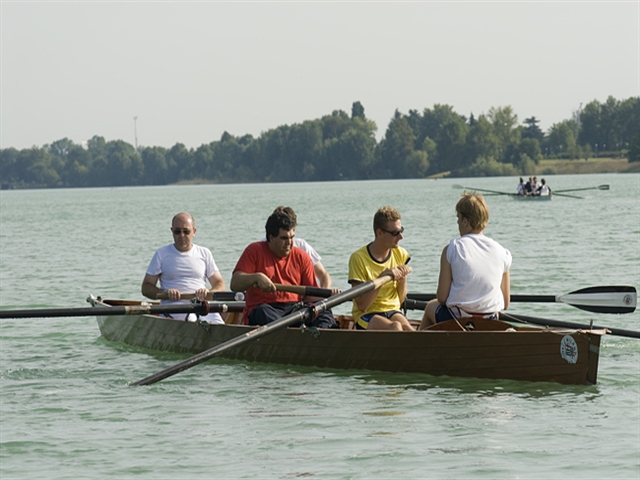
(379, 309)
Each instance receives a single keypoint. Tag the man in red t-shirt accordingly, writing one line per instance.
(276, 260)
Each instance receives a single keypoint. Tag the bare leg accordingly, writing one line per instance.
(378, 322)
(429, 317)
(404, 323)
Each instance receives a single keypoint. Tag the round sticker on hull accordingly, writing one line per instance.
(569, 349)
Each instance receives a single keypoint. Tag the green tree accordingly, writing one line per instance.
(397, 147)
(531, 148)
(179, 160)
(505, 127)
(561, 138)
(154, 160)
(532, 130)
(634, 148)
(77, 168)
(124, 164)
(451, 146)
(482, 140)
(357, 111)
(9, 174)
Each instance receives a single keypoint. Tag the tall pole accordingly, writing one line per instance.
(135, 131)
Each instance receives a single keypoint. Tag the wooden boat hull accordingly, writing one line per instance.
(529, 354)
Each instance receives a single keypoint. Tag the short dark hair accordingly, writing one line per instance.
(279, 219)
(289, 211)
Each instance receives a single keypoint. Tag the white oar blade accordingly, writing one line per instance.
(602, 302)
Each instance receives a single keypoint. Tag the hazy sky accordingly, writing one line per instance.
(191, 70)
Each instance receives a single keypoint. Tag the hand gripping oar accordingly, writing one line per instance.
(606, 299)
(200, 308)
(304, 290)
(216, 296)
(300, 316)
(510, 317)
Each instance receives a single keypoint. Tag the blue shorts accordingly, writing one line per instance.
(367, 318)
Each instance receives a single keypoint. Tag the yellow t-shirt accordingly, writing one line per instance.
(363, 268)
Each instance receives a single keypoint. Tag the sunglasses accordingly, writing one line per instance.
(396, 233)
(178, 231)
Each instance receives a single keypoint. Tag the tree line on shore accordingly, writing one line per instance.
(340, 146)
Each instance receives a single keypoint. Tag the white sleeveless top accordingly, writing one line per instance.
(477, 265)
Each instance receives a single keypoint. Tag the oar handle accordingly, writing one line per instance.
(217, 296)
(304, 290)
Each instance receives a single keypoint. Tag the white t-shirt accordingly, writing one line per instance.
(184, 271)
(477, 265)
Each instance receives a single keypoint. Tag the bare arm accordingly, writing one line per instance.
(241, 282)
(399, 274)
(505, 286)
(149, 286)
(324, 279)
(217, 282)
(445, 278)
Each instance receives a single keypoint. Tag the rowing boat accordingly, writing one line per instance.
(477, 347)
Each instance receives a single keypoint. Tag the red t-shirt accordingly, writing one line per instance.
(294, 269)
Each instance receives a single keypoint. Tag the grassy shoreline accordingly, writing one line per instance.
(592, 165)
(559, 166)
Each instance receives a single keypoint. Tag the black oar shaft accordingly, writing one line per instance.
(555, 323)
(123, 310)
(299, 316)
(304, 290)
(534, 298)
(514, 298)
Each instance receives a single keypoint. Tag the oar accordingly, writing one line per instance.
(556, 194)
(304, 290)
(554, 323)
(200, 308)
(216, 296)
(484, 190)
(606, 299)
(295, 317)
(599, 187)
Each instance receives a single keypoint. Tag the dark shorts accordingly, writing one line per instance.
(444, 313)
(367, 318)
(270, 312)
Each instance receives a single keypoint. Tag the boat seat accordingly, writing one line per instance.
(345, 322)
(235, 318)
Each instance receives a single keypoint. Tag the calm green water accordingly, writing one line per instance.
(66, 411)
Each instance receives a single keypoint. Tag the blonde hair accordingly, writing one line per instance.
(383, 216)
(473, 207)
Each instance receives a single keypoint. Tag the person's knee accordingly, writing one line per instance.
(325, 320)
(262, 315)
(397, 326)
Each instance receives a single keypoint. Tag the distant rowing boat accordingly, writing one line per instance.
(560, 193)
